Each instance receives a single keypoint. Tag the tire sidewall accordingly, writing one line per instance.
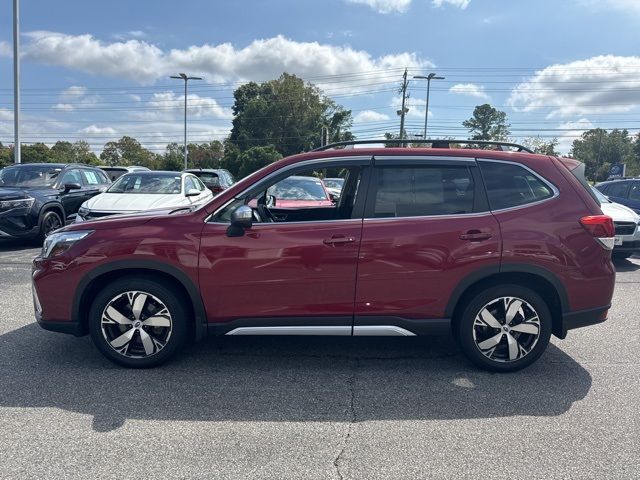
(158, 289)
(465, 326)
(46, 214)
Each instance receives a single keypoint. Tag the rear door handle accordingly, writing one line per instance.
(475, 236)
(338, 240)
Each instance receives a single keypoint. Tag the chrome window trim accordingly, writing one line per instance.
(449, 216)
(553, 188)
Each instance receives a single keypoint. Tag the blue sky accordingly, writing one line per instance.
(98, 70)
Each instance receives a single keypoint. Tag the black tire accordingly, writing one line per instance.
(159, 293)
(471, 333)
(50, 221)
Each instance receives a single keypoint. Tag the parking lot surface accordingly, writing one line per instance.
(376, 408)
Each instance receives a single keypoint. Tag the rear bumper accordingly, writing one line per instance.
(582, 318)
(72, 328)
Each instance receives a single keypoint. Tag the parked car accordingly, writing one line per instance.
(626, 223)
(501, 248)
(625, 192)
(299, 192)
(115, 173)
(215, 180)
(141, 191)
(334, 186)
(38, 198)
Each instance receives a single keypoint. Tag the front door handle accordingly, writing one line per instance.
(338, 240)
(475, 236)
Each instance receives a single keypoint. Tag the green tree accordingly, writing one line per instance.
(255, 158)
(205, 155)
(173, 158)
(487, 123)
(285, 113)
(539, 145)
(36, 153)
(6, 155)
(128, 151)
(599, 149)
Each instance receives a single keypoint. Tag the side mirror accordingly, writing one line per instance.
(71, 186)
(193, 192)
(241, 219)
(334, 198)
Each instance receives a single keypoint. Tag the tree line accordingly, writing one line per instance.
(281, 117)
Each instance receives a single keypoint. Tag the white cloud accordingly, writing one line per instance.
(6, 115)
(63, 107)
(95, 129)
(6, 50)
(264, 59)
(370, 116)
(166, 105)
(571, 131)
(73, 92)
(385, 6)
(461, 4)
(470, 89)
(602, 84)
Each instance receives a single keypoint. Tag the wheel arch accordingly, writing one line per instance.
(98, 277)
(55, 206)
(544, 282)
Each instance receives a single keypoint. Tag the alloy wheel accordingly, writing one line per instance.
(51, 222)
(506, 329)
(136, 324)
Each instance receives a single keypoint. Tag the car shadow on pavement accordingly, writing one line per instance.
(625, 265)
(282, 379)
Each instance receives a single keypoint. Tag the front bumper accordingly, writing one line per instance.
(579, 319)
(18, 223)
(627, 247)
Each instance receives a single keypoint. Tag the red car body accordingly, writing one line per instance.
(413, 273)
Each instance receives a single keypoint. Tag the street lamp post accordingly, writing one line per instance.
(428, 78)
(16, 83)
(182, 76)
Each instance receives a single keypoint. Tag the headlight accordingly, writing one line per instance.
(58, 243)
(20, 203)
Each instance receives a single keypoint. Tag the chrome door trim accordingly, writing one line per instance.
(294, 330)
(381, 331)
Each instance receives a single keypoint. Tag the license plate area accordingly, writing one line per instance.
(618, 240)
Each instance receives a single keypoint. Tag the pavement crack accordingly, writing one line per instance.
(337, 462)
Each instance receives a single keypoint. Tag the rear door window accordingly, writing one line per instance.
(634, 193)
(509, 185)
(415, 191)
(618, 189)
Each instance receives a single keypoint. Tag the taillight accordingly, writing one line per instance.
(601, 228)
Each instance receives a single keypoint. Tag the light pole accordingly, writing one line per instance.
(428, 78)
(182, 76)
(16, 83)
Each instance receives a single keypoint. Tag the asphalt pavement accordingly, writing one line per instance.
(316, 408)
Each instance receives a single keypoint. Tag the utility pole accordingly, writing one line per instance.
(428, 78)
(182, 76)
(16, 82)
(403, 110)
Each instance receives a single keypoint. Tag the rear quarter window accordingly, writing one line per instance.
(617, 189)
(509, 185)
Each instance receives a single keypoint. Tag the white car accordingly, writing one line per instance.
(627, 223)
(143, 191)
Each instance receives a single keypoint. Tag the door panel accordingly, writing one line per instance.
(409, 267)
(280, 270)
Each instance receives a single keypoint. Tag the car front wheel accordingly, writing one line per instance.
(138, 322)
(505, 328)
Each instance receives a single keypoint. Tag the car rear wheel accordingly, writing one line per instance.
(505, 328)
(138, 322)
(50, 222)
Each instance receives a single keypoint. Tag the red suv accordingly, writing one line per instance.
(502, 248)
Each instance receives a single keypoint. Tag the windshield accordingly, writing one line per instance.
(334, 182)
(601, 198)
(40, 176)
(159, 183)
(298, 189)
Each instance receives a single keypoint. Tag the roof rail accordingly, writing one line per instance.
(435, 143)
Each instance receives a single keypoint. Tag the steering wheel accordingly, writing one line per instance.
(263, 211)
